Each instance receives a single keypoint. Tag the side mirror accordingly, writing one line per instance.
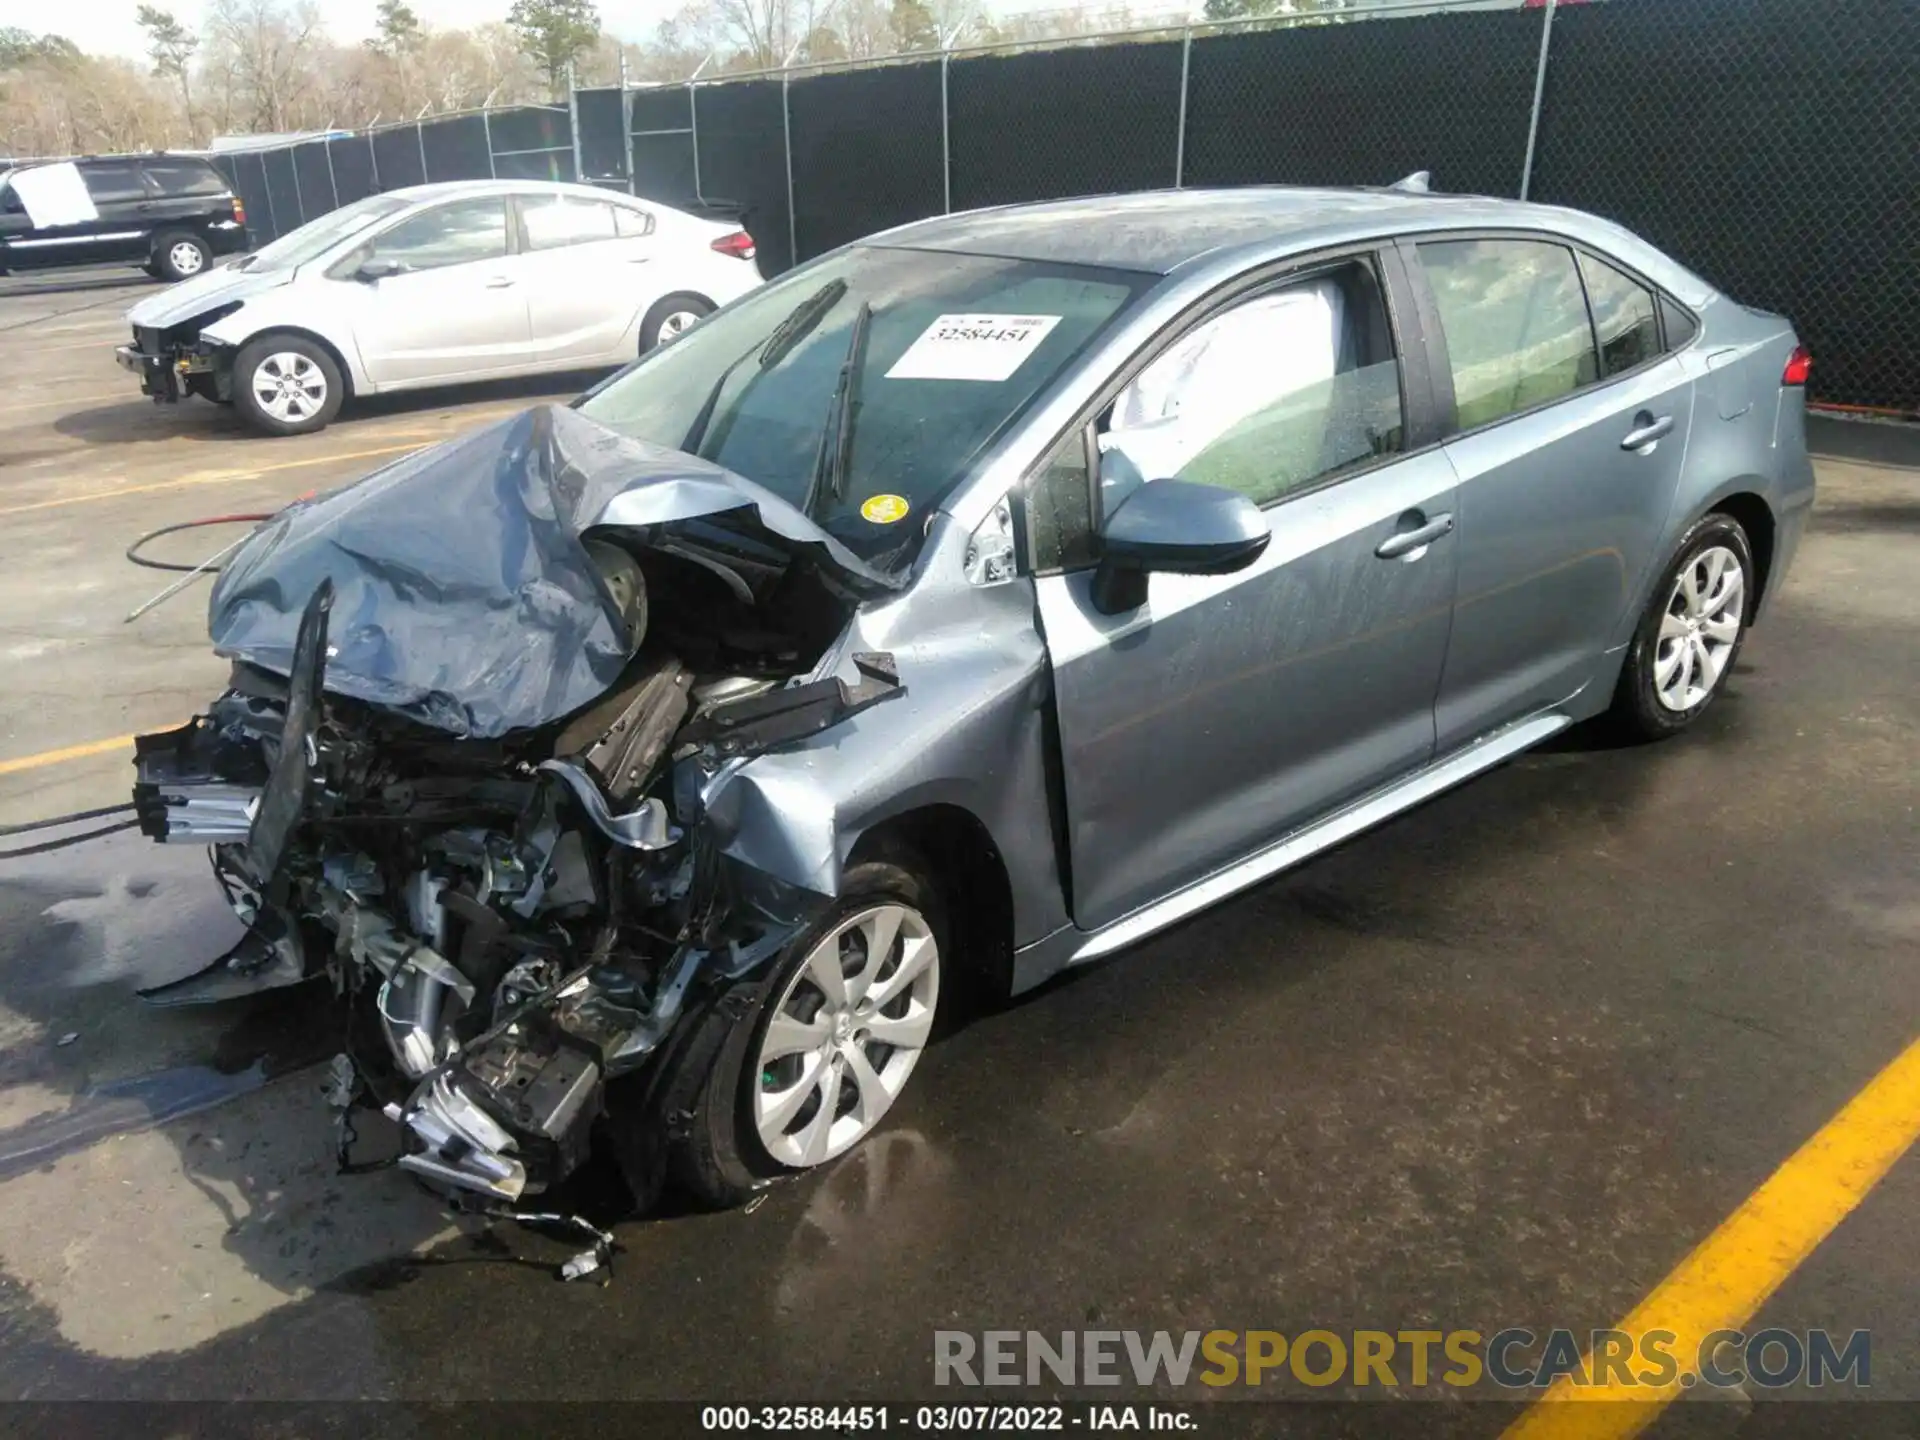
(1177, 527)
(377, 267)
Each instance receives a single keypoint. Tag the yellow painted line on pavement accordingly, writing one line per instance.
(71, 752)
(210, 477)
(1732, 1273)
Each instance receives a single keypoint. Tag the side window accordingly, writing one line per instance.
(455, 234)
(1059, 509)
(1624, 318)
(1680, 326)
(10, 202)
(114, 184)
(553, 221)
(1267, 398)
(1515, 323)
(630, 224)
(185, 177)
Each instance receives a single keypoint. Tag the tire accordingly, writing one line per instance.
(669, 317)
(1702, 638)
(309, 398)
(180, 255)
(719, 1156)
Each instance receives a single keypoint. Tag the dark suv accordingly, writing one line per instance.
(171, 213)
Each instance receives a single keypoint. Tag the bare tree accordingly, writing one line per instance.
(171, 45)
(266, 53)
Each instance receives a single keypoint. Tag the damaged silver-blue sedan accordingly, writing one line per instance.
(973, 601)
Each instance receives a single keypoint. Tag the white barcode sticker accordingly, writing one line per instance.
(972, 347)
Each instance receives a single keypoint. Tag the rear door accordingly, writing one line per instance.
(124, 230)
(589, 268)
(187, 194)
(1229, 710)
(457, 310)
(1568, 452)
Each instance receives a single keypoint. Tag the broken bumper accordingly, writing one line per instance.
(166, 371)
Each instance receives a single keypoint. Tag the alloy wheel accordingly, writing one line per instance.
(186, 259)
(289, 386)
(845, 1034)
(676, 323)
(1699, 628)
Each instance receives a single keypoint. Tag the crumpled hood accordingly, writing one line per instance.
(463, 596)
(202, 293)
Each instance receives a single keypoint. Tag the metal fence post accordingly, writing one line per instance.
(946, 140)
(573, 123)
(786, 135)
(626, 125)
(333, 181)
(693, 129)
(373, 162)
(1539, 89)
(420, 139)
(1180, 135)
(486, 128)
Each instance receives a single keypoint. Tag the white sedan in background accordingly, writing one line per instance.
(432, 285)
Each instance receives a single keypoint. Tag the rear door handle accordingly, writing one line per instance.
(1405, 542)
(499, 282)
(1646, 430)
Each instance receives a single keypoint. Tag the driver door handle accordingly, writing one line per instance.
(1405, 542)
(1646, 430)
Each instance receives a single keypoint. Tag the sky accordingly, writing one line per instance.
(106, 27)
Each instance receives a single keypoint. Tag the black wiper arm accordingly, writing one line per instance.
(788, 333)
(831, 460)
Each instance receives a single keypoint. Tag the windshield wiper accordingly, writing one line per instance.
(831, 460)
(799, 324)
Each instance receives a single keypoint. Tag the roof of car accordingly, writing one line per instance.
(1161, 230)
(442, 189)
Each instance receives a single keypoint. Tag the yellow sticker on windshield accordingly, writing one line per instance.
(884, 509)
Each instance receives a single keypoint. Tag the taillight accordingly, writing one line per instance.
(1799, 366)
(239, 211)
(739, 244)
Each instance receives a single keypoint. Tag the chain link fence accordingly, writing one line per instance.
(1771, 145)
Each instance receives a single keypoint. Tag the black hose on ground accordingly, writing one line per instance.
(47, 846)
(133, 550)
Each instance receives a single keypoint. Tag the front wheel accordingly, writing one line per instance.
(1690, 636)
(824, 1045)
(286, 385)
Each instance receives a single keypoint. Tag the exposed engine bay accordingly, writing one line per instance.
(477, 705)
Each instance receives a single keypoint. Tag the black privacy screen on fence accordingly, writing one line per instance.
(1063, 122)
(1771, 145)
(866, 152)
(1366, 103)
(743, 162)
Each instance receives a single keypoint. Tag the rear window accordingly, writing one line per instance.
(185, 177)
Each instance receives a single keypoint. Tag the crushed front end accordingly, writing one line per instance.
(520, 904)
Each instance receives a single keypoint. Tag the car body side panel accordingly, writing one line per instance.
(1559, 528)
(1748, 437)
(1230, 709)
(969, 731)
(292, 307)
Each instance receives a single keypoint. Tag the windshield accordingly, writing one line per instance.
(867, 423)
(317, 237)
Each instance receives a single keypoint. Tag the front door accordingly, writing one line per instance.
(1229, 710)
(1568, 456)
(456, 311)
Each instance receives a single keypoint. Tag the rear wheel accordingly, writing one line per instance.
(179, 255)
(671, 317)
(286, 384)
(815, 1055)
(1691, 634)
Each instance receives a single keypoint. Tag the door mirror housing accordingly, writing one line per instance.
(1178, 527)
(377, 267)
